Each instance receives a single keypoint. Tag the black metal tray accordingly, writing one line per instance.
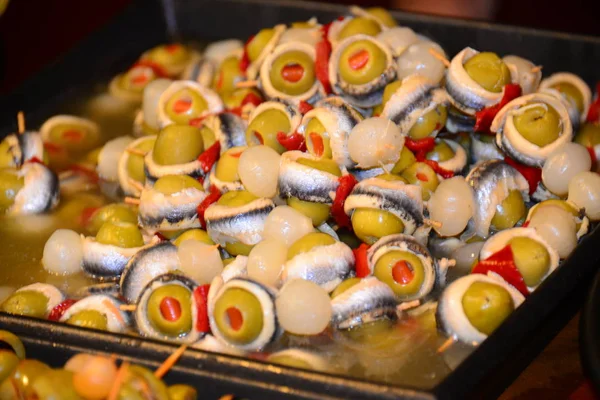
(485, 373)
(589, 334)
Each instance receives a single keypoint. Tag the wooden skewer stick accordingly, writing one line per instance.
(440, 57)
(21, 121)
(127, 307)
(136, 184)
(132, 200)
(246, 84)
(169, 362)
(66, 174)
(536, 69)
(136, 152)
(408, 305)
(114, 390)
(433, 223)
(446, 345)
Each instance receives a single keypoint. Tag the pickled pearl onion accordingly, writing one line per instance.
(452, 205)
(63, 253)
(200, 261)
(375, 141)
(563, 165)
(584, 191)
(557, 227)
(286, 224)
(303, 307)
(266, 260)
(258, 170)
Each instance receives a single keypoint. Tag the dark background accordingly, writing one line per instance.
(35, 32)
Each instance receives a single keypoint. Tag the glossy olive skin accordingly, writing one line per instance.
(171, 324)
(489, 71)
(90, 319)
(422, 175)
(572, 94)
(264, 127)
(185, 105)
(27, 303)
(10, 185)
(345, 285)
(509, 212)
(414, 275)
(247, 310)
(293, 73)
(120, 234)
(182, 392)
(531, 258)
(308, 242)
(361, 62)
(177, 144)
(487, 305)
(359, 25)
(371, 224)
(540, 125)
(259, 42)
(317, 212)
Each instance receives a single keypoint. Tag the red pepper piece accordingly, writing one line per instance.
(156, 68)
(295, 141)
(317, 143)
(358, 60)
(251, 98)
(245, 60)
(593, 115)
(444, 173)
(323, 51)
(484, 118)
(525, 224)
(35, 160)
(212, 197)
(236, 319)
(347, 183)
(402, 273)
(170, 309)
(533, 175)
(58, 311)
(422, 177)
(201, 298)
(361, 265)
(72, 135)
(420, 145)
(161, 237)
(209, 157)
(304, 107)
(181, 106)
(197, 121)
(292, 73)
(503, 263)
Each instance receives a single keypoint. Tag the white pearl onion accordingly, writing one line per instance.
(563, 165)
(265, 261)
(108, 158)
(417, 59)
(258, 170)
(452, 205)
(286, 224)
(200, 261)
(375, 141)
(557, 227)
(152, 93)
(584, 191)
(63, 253)
(303, 307)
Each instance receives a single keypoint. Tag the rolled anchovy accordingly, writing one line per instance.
(365, 95)
(224, 186)
(146, 265)
(142, 320)
(303, 182)
(24, 147)
(266, 297)
(40, 192)
(367, 301)
(178, 211)
(108, 288)
(255, 66)
(327, 266)
(244, 224)
(105, 261)
(212, 99)
(413, 99)
(572, 79)
(396, 197)
(229, 129)
(484, 151)
(54, 296)
(116, 320)
(459, 122)
(524, 73)
(125, 180)
(284, 105)
(457, 163)
(154, 171)
(492, 182)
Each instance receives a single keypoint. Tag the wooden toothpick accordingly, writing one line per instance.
(127, 307)
(536, 69)
(169, 362)
(136, 152)
(132, 200)
(432, 223)
(21, 121)
(446, 345)
(440, 57)
(136, 184)
(246, 84)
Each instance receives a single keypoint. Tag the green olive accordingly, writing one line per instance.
(238, 315)
(171, 184)
(264, 127)
(185, 105)
(289, 361)
(135, 162)
(168, 54)
(120, 234)
(148, 130)
(208, 136)
(360, 25)
(73, 137)
(135, 79)
(29, 303)
(317, 139)
(182, 392)
(193, 234)
(259, 42)
(323, 164)
(309, 241)
(234, 98)
(589, 135)
(170, 310)
(10, 184)
(489, 71)
(90, 319)
(383, 16)
(345, 285)
(170, 234)
(116, 212)
(431, 121)
(228, 74)
(236, 198)
(317, 212)
(509, 212)
(370, 224)
(407, 158)
(361, 62)
(12, 340)
(572, 94)
(531, 258)
(540, 125)
(8, 364)
(402, 271)
(25, 375)
(6, 158)
(143, 381)
(293, 73)
(177, 144)
(422, 175)
(487, 305)
(302, 24)
(55, 384)
(441, 152)
(238, 248)
(227, 166)
(391, 177)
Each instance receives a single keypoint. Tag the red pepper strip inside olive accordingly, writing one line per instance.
(402, 273)
(170, 309)
(502, 262)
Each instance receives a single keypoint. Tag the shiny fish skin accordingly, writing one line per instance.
(303, 182)
(40, 192)
(105, 261)
(245, 224)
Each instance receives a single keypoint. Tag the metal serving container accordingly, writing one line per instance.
(143, 24)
